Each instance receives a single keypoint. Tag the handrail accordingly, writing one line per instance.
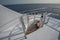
(12, 31)
(53, 18)
(54, 23)
(8, 22)
(53, 28)
(11, 35)
(19, 38)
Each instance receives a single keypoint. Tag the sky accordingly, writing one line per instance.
(9, 2)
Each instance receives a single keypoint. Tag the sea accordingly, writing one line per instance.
(26, 7)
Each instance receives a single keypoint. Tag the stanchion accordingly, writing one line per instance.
(21, 20)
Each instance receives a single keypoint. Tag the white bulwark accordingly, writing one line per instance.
(11, 27)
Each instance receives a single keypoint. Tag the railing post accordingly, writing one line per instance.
(42, 20)
(46, 19)
(27, 20)
(34, 18)
(23, 25)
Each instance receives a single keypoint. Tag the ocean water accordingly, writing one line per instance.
(26, 7)
(23, 7)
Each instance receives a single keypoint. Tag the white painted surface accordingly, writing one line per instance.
(8, 18)
(45, 33)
